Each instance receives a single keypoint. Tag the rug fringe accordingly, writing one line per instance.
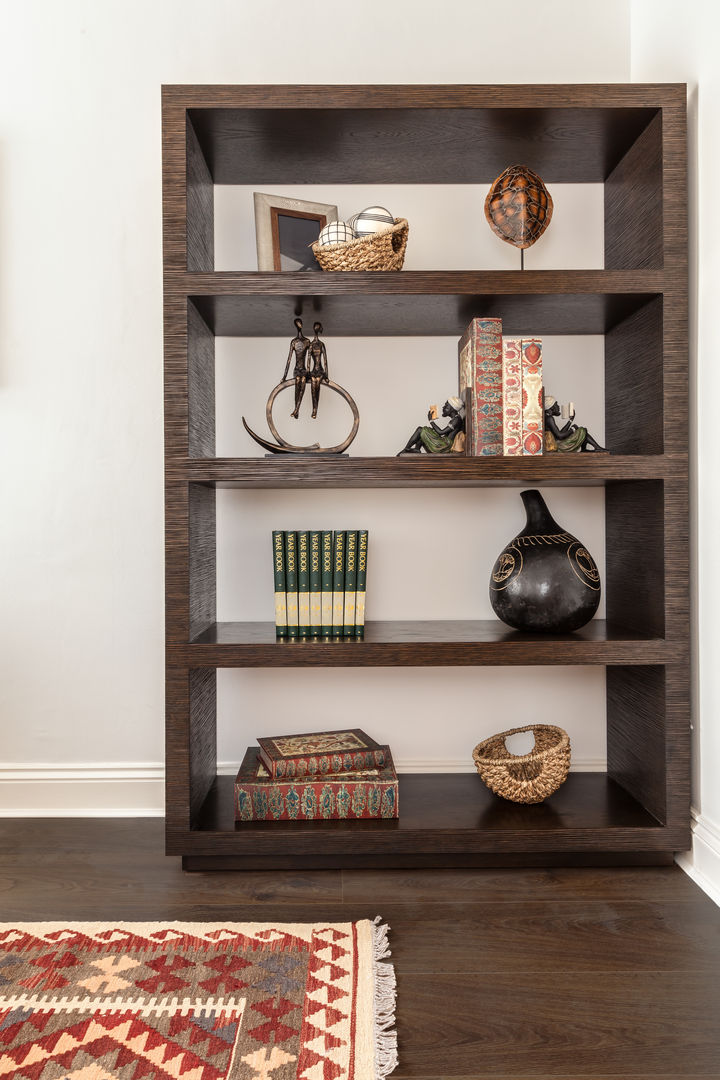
(386, 1056)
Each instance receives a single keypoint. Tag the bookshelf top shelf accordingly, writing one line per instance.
(416, 134)
(428, 470)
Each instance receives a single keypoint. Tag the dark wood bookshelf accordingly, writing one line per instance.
(558, 470)
(428, 643)
(630, 138)
(422, 303)
(448, 814)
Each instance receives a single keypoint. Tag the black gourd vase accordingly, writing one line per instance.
(544, 580)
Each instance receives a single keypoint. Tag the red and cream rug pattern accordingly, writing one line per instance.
(196, 1001)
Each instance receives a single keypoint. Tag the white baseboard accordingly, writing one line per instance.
(702, 863)
(93, 790)
(137, 789)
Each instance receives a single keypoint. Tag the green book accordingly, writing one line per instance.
(278, 540)
(291, 583)
(303, 561)
(361, 583)
(338, 583)
(326, 603)
(315, 585)
(351, 543)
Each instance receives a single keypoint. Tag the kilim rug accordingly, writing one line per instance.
(196, 1001)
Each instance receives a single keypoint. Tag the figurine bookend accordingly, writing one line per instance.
(434, 438)
(569, 438)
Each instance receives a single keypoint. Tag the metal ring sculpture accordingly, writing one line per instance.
(281, 446)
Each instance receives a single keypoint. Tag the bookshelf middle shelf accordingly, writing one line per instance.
(415, 643)
(567, 470)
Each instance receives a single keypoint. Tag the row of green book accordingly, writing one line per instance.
(320, 583)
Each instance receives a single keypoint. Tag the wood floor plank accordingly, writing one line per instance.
(502, 974)
(578, 1026)
(506, 886)
(58, 836)
(545, 937)
(76, 891)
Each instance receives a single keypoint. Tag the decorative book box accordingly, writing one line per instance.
(333, 796)
(342, 751)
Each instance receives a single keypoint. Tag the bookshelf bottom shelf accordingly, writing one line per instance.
(445, 820)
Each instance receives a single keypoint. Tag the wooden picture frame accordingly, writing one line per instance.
(285, 228)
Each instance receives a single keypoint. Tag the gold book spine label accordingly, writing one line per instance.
(315, 611)
(338, 599)
(304, 609)
(349, 610)
(281, 610)
(360, 609)
(292, 609)
(327, 609)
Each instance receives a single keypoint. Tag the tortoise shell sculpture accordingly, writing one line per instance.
(518, 206)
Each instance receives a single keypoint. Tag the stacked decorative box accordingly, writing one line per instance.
(327, 775)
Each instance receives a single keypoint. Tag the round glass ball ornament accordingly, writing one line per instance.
(545, 580)
(336, 232)
(371, 220)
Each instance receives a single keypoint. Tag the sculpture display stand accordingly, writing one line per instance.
(315, 373)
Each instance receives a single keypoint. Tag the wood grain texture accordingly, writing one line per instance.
(415, 134)
(635, 555)
(419, 303)
(521, 1025)
(426, 643)
(636, 734)
(563, 973)
(202, 559)
(445, 819)
(634, 403)
(632, 138)
(431, 470)
(174, 184)
(201, 386)
(191, 745)
(633, 202)
(560, 885)
(200, 206)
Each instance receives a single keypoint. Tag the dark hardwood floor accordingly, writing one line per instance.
(602, 973)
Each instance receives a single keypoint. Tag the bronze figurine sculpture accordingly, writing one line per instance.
(434, 439)
(311, 365)
(299, 349)
(570, 437)
(319, 370)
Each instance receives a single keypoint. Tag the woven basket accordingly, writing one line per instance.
(382, 251)
(525, 778)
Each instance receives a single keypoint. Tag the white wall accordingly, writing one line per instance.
(678, 43)
(81, 693)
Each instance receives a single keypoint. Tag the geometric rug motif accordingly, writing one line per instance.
(196, 1001)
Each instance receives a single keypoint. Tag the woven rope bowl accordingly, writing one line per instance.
(525, 778)
(382, 251)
